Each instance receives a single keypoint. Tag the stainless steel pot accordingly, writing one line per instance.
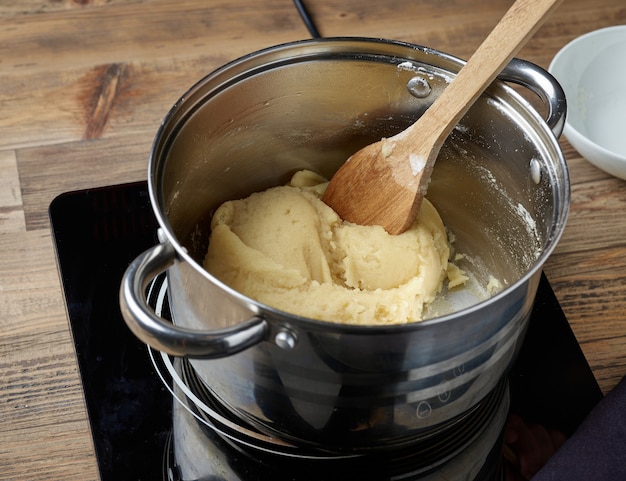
(500, 184)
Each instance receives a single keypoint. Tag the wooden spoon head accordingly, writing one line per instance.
(379, 185)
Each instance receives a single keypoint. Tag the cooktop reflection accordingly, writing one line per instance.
(98, 232)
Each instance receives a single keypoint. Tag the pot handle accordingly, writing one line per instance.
(542, 84)
(165, 336)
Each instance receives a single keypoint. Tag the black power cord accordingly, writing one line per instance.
(306, 18)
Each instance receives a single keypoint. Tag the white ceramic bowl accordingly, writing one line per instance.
(592, 71)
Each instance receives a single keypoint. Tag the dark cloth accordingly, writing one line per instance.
(597, 450)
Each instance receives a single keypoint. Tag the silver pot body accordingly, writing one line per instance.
(500, 184)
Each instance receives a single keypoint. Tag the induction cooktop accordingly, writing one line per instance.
(98, 232)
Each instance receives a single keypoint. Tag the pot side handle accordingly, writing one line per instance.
(165, 336)
(542, 84)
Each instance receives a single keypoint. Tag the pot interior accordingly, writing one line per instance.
(498, 182)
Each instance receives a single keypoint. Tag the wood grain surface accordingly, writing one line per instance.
(84, 85)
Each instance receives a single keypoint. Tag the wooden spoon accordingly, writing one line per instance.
(384, 183)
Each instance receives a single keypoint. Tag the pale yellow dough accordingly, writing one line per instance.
(285, 248)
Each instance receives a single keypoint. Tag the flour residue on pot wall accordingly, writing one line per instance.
(529, 245)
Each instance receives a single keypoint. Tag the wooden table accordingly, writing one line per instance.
(83, 88)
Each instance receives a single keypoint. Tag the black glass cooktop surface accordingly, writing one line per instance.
(98, 232)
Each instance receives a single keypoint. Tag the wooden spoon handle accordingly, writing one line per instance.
(518, 24)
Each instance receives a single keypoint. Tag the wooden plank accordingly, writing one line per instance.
(594, 207)
(25, 8)
(48, 171)
(41, 400)
(11, 209)
(596, 310)
(139, 31)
